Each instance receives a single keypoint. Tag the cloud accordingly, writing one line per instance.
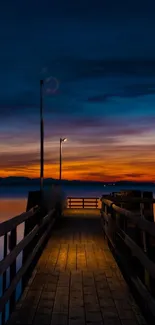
(99, 99)
(130, 91)
(136, 90)
(104, 68)
(134, 175)
(78, 77)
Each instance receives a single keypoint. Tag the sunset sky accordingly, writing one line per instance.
(98, 61)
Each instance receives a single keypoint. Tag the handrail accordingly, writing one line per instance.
(83, 197)
(10, 224)
(143, 224)
(82, 202)
(5, 263)
(132, 238)
(36, 229)
(126, 199)
(137, 251)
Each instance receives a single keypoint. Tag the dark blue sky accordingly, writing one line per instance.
(100, 57)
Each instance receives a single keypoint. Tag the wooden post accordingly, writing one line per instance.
(60, 158)
(113, 225)
(13, 241)
(137, 265)
(96, 203)
(4, 275)
(41, 137)
(104, 208)
(29, 225)
(146, 273)
(83, 203)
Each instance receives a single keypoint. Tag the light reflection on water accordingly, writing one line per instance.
(10, 207)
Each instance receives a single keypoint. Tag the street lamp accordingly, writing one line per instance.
(61, 140)
(41, 136)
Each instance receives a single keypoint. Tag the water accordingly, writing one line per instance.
(13, 202)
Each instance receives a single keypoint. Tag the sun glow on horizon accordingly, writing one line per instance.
(105, 159)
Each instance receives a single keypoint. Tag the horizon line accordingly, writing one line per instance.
(79, 180)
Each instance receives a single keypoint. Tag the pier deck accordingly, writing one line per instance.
(77, 280)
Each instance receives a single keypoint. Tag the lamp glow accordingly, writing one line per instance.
(61, 140)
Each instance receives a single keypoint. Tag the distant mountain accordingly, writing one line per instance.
(26, 181)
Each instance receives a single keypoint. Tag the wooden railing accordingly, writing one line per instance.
(36, 230)
(82, 202)
(132, 239)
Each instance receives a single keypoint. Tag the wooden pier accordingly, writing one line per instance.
(88, 266)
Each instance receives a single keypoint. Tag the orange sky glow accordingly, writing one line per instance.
(129, 158)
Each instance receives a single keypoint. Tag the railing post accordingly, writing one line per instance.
(146, 273)
(112, 225)
(4, 276)
(96, 203)
(105, 208)
(29, 225)
(13, 241)
(83, 203)
(102, 218)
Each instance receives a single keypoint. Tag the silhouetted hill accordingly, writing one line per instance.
(26, 181)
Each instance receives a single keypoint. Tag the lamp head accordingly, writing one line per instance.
(63, 140)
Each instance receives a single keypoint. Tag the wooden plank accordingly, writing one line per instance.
(81, 257)
(71, 259)
(5, 246)
(51, 261)
(59, 319)
(62, 258)
(76, 302)
(61, 303)
(90, 257)
(83, 213)
(13, 241)
(81, 198)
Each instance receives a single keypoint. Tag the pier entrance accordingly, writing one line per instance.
(77, 280)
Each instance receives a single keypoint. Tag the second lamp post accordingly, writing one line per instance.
(61, 140)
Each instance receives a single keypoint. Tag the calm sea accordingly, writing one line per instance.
(13, 201)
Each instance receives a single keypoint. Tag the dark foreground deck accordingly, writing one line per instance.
(77, 281)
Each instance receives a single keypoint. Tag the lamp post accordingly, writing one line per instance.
(61, 141)
(41, 137)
